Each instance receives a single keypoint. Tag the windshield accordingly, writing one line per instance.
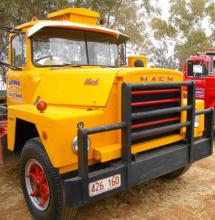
(58, 47)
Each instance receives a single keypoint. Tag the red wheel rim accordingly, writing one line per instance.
(37, 184)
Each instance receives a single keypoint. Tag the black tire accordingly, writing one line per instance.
(176, 173)
(33, 151)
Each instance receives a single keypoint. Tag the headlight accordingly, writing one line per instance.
(75, 145)
(197, 121)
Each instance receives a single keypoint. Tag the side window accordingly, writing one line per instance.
(19, 50)
(196, 69)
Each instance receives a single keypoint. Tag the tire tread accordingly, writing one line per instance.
(63, 213)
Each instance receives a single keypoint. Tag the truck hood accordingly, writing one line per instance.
(92, 86)
(76, 86)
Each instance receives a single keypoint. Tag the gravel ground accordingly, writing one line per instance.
(190, 197)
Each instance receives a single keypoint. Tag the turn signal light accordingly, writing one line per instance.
(41, 106)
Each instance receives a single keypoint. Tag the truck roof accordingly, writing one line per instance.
(200, 58)
(74, 18)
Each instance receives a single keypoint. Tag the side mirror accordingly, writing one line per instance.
(122, 54)
(211, 53)
(190, 68)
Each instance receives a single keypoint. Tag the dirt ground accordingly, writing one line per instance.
(190, 197)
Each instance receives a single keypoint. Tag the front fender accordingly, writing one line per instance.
(60, 126)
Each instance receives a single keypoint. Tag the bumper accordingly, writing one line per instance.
(136, 169)
(143, 168)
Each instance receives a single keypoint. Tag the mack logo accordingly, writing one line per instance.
(156, 79)
(91, 82)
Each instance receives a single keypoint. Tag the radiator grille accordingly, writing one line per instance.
(148, 100)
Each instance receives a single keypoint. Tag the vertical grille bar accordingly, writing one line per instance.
(126, 132)
(83, 160)
(191, 117)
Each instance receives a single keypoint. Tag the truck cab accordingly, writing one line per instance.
(84, 123)
(201, 69)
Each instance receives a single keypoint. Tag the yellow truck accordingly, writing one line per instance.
(84, 124)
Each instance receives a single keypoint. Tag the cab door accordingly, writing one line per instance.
(198, 72)
(16, 79)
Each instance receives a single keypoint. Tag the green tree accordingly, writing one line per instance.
(188, 25)
(15, 12)
(211, 13)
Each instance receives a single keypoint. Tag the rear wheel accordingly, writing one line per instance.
(41, 184)
(176, 173)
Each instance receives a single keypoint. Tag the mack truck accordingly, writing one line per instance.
(84, 124)
(201, 69)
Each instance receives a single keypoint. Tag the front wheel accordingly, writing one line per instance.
(41, 184)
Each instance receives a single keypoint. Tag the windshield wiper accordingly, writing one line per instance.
(10, 66)
(73, 65)
(107, 66)
(103, 66)
(69, 64)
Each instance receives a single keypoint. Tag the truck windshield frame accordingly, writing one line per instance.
(53, 47)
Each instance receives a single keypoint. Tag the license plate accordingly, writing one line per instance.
(104, 185)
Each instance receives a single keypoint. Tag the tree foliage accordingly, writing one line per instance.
(15, 12)
(190, 25)
(189, 28)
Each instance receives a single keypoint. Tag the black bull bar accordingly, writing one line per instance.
(136, 169)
